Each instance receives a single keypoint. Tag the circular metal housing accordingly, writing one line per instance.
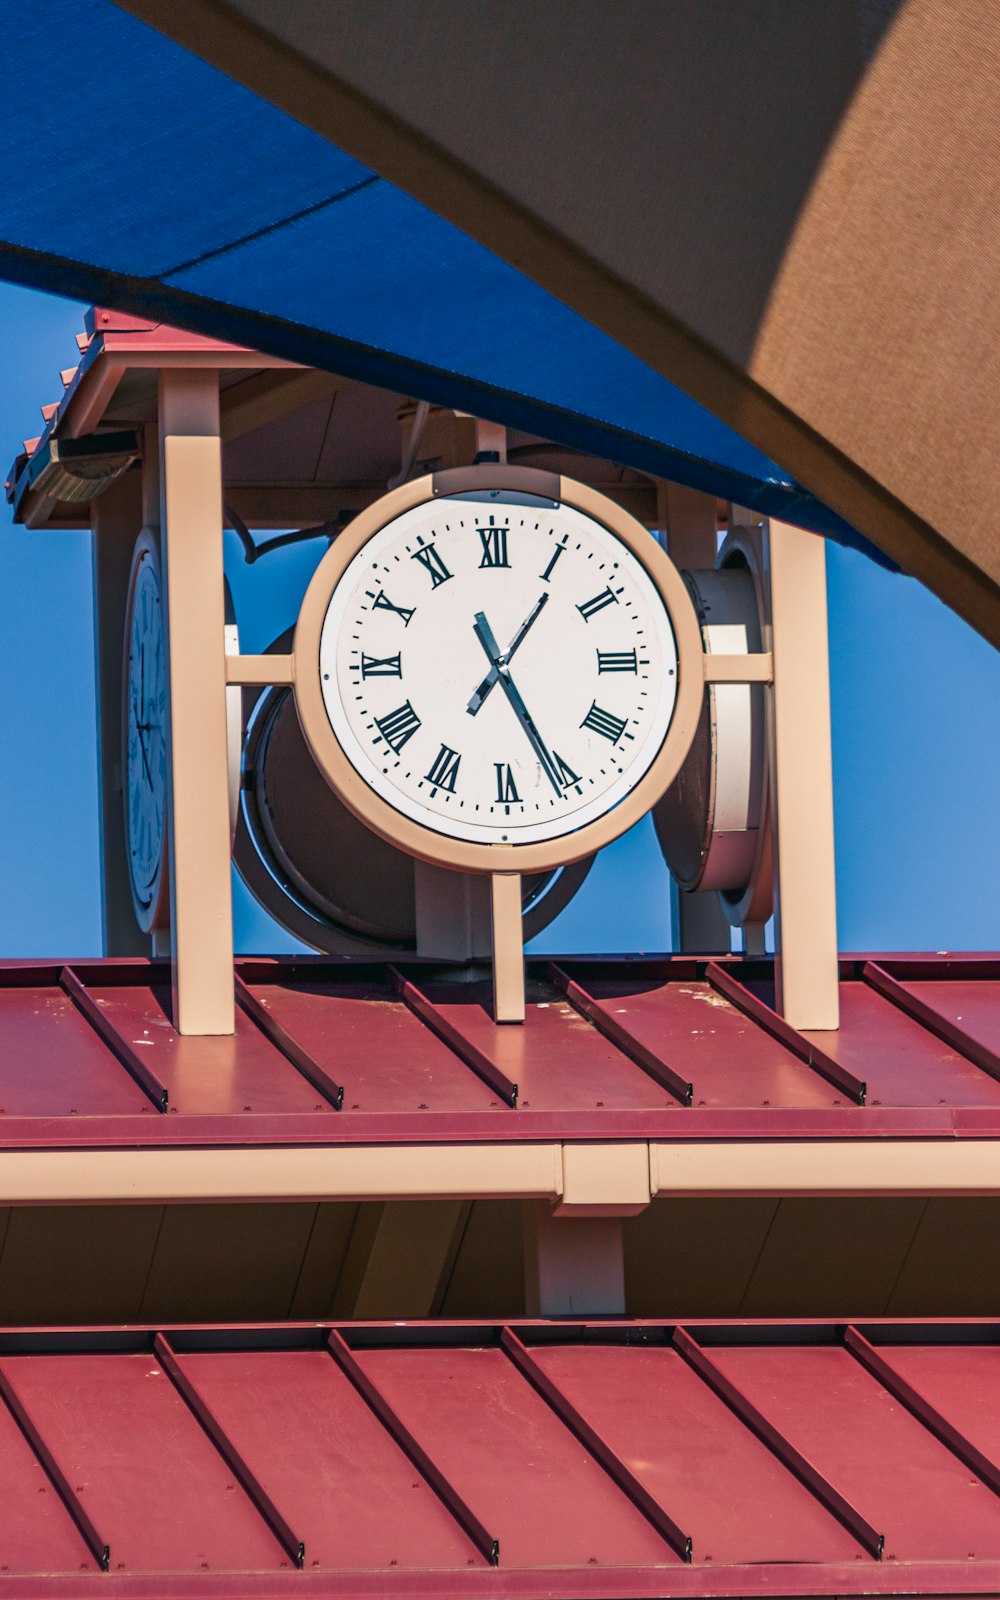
(712, 823)
(321, 873)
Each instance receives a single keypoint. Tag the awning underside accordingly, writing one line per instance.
(172, 191)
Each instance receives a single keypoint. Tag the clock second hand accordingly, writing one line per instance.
(492, 677)
(517, 705)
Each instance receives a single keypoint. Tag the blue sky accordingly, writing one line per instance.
(916, 708)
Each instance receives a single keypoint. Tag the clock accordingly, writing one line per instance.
(497, 669)
(144, 755)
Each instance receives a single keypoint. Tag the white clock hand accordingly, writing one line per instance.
(517, 705)
(494, 673)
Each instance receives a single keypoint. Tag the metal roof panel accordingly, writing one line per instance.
(361, 1503)
(871, 1448)
(140, 1464)
(695, 1456)
(542, 1494)
(201, 1454)
(341, 1052)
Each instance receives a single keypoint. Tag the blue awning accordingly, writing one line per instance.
(139, 177)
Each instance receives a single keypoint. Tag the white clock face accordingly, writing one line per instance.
(498, 668)
(146, 746)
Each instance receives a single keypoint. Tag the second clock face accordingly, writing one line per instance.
(145, 741)
(499, 669)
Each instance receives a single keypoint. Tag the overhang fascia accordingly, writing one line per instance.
(578, 1177)
(118, 344)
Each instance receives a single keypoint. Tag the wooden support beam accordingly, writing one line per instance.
(508, 948)
(201, 916)
(739, 669)
(690, 521)
(399, 1258)
(802, 772)
(270, 395)
(257, 672)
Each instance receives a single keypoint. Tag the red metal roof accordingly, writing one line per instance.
(339, 1052)
(617, 1459)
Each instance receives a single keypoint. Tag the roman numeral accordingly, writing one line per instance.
(567, 777)
(444, 770)
(604, 723)
(557, 552)
(381, 666)
(507, 794)
(617, 661)
(398, 726)
(381, 602)
(431, 562)
(590, 608)
(494, 543)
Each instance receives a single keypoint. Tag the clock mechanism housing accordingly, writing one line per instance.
(713, 823)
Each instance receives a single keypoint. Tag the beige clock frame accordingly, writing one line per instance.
(504, 864)
(151, 917)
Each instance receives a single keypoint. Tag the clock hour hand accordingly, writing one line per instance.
(145, 762)
(493, 675)
(485, 636)
(145, 758)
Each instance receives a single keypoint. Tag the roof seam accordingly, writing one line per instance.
(272, 227)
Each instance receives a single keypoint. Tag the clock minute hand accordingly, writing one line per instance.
(517, 705)
(492, 677)
(139, 727)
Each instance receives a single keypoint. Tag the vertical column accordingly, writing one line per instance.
(508, 948)
(116, 520)
(453, 914)
(201, 914)
(573, 1266)
(690, 520)
(802, 770)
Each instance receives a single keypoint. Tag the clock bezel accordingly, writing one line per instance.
(152, 914)
(428, 844)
